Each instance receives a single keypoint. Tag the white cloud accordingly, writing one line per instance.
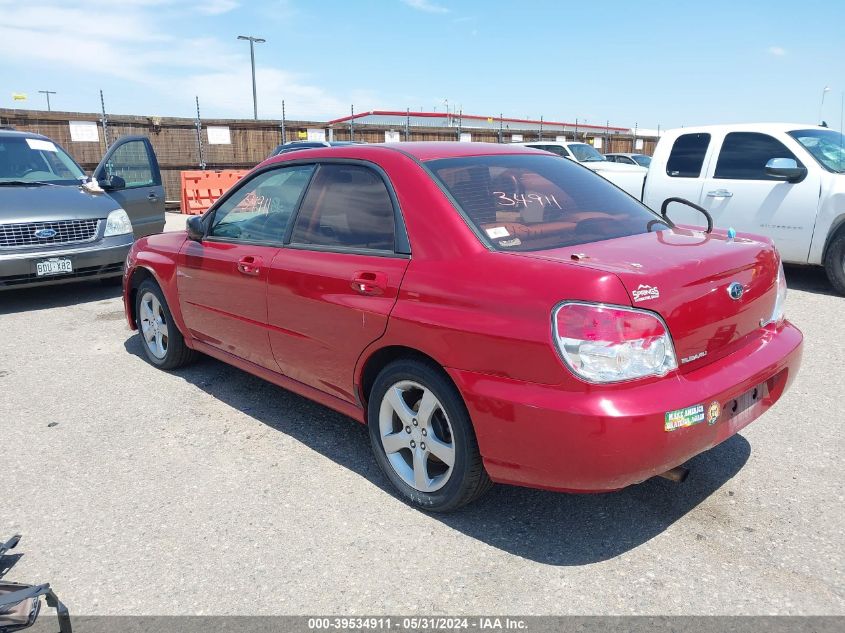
(217, 7)
(777, 51)
(425, 5)
(134, 46)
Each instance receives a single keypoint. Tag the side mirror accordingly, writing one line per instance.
(786, 168)
(112, 183)
(195, 228)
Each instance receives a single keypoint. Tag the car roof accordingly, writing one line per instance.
(433, 150)
(746, 127)
(21, 134)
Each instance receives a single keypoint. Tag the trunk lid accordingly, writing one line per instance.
(684, 275)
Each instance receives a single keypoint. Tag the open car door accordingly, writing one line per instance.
(129, 173)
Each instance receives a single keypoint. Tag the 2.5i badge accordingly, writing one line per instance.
(680, 418)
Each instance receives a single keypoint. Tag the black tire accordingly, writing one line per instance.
(468, 480)
(834, 263)
(177, 354)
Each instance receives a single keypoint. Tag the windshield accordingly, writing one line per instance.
(534, 202)
(826, 146)
(585, 153)
(642, 159)
(36, 160)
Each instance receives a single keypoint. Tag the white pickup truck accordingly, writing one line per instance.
(783, 181)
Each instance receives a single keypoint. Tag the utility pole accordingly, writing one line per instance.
(252, 42)
(48, 93)
(541, 128)
(407, 125)
(352, 123)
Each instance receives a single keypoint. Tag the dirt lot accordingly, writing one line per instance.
(208, 491)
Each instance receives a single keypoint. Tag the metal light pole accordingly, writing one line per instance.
(48, 93)
(821, 105)
(252, 42)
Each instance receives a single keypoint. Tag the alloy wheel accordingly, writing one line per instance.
(154, 325)
(416, 436)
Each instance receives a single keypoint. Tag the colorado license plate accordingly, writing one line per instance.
(53, 266)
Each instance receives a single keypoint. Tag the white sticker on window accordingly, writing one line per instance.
(37, 143)
(497, 231)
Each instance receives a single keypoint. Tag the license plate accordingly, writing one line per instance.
(53, 266)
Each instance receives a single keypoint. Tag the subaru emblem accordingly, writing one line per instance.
(735, 290)
(45, 234)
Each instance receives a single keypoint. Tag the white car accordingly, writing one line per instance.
(785, 181)
(643, 160)
(627, 177)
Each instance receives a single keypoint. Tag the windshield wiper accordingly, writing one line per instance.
(20, 183)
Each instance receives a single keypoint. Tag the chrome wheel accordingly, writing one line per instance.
(416, 436)
(154, 325)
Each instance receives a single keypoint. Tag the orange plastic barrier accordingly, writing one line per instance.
(201, 189)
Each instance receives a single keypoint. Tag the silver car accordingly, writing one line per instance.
(58, 225)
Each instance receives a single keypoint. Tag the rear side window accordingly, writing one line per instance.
(687, 156)
(554, 149)
(533, 202)
(744, 156)
(347, 206)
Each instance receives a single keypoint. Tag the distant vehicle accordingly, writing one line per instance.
(785, 181)
(627, 177)
(56, 225)
(292, 146)
(494, 313)
(643, 160)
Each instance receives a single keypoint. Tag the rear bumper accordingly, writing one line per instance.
(602, 438)
(97, 260)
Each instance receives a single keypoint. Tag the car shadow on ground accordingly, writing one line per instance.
(809, 279)
(547, 527)
(58, 296)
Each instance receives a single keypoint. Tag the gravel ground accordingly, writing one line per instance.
(208, 491)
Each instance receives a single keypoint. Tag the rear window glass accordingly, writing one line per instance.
(532, 202)
(687, 156)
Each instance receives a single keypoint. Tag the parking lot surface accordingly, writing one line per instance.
(209, 491)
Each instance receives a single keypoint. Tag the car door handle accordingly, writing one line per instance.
(719, 193)
(249, 265)
(369, 283)
(152, 197)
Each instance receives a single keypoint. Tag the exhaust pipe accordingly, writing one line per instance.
(678, 474)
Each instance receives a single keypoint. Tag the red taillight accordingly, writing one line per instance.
(610, 343)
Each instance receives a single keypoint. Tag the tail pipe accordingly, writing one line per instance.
(677, 474)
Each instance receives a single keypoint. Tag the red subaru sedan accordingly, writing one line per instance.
(492, 312)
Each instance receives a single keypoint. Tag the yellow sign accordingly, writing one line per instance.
(302, 134)
(489, 119)
(18, 96)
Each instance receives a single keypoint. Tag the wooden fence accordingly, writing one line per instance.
(178, 148)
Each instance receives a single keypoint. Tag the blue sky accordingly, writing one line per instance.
(649, 62)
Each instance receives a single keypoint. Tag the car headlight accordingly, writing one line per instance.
(602, 343)
(780, 298)
(118, 223)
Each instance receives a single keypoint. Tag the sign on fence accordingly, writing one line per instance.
(83, 132)
(218, 135)
(391, 136)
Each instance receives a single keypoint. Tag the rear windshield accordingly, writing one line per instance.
(534, 202)
(36, 160)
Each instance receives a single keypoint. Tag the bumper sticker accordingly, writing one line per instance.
(680, 418)
(713, 413)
